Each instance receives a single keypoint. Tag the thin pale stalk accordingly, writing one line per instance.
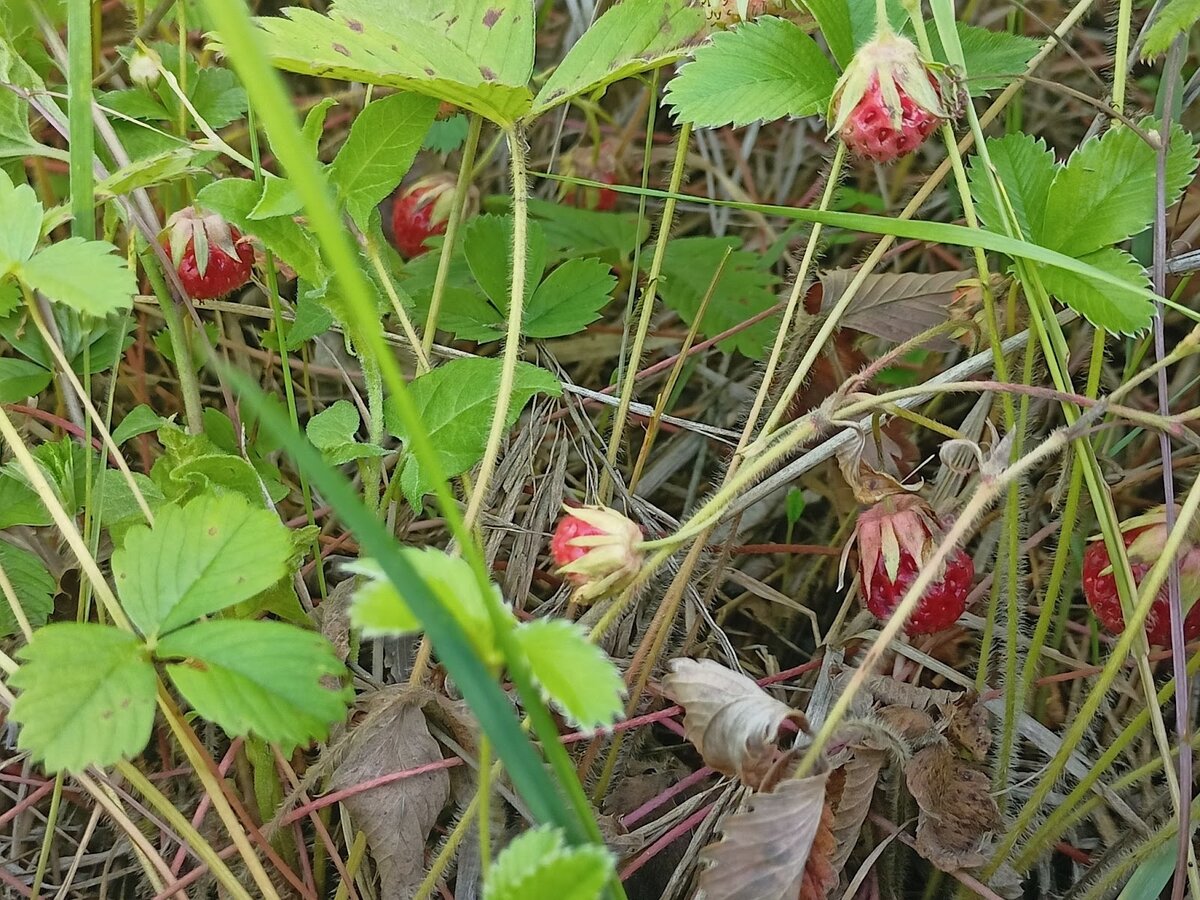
(79, 112)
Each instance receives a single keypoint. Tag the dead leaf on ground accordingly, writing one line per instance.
(765, 850)
(397, 817)
(890, 692)
(898, 307)
(967, 726)
(859, 777)
(820, 875)
(731, 720)
(957, 808)
(914, 725)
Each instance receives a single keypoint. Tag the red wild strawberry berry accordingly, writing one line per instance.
(597, 549)
(1144, 543)
(888, 101)
(895, 538)
(596, 199)
(210, 255)
(590, 164)
(421, 211)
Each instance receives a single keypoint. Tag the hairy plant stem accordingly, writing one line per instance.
(457, 210)
(181, 346)
(512, 338)
(646, 306)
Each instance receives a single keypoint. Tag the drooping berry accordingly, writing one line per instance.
(1144, 542)
(888, 100)
(421, 210)
(896, 537)
(597, 549)
(211, 256)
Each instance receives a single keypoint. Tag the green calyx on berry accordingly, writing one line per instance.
(888, 101)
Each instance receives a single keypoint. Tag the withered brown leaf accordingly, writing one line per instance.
(765, 849)
(957, 808)
(731, 720)
(397, 817)
(897, 307)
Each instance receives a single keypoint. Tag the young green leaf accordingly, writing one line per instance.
(1105, 192)
(86, 696)
(569, 299)
(197, 560)
(314, 124)
(139, 420)
(746, 288)
(259, 677)
(379, 610)
(235, 198)
(32, 585)
(20, 222)
(538, 863)
(84, 275)
(1026, 168)
(333, 431)
(456, 402)
(1094, 301)
(631, 37)
(383, 141)
(760, 71)
(487, 245)
(21, 379)
(576, 675)
(1176, 18)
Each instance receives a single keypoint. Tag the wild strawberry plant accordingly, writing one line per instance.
(389, 391)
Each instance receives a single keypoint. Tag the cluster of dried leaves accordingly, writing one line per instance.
(795, 835)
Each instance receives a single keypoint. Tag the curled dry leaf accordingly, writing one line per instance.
(397, 817)
(897, 308)
(820, 875)
(731, 720)
(890, 692)
(957, 808)
(859, 777)
(765, 850)
(967, 726)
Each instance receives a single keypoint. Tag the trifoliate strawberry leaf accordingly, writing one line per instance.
(312, 319)
(993, 58)
(84, 275)
(260, 677)
(488, 246)
(197, 560)
(1125, 313)
(539, 863)
(235, 198)
(20, 379)
(456, 402)
(333, 431)
(576, 675)
(477, 54)
(1105, 192)
(20, 222)
(746, 288)
(379, 610)
(1026, 168)
(86, 696)
(1176, 18)
(383, 141)
(572, 233)
(760, 71)
(569, 299)
(631, 37)
(33, 587)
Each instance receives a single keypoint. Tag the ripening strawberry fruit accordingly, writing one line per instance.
(1144, 539)
(212, 257)
(598, 164)
(422, 209)
(895, 538)
(888, 100)
(597, 549)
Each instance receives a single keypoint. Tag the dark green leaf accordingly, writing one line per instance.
(447, 135)
(993, 58)
(1095, 301)
(833, 18)
(21, 379)
(1025, 167)
(488, 243)
(569, 299)
(32, 584)
(139, 420)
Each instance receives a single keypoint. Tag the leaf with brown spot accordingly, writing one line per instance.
(397, 817)
(957, 808)
(765, 850)
(731, 720)
(898, 307)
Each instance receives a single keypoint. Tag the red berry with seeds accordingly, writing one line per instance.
(895, 539)
(597, 549)
(422, 209)
(1144, 540)
(888, 101)
(211, 256)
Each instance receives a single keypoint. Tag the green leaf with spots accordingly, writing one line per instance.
(760, 71)
(85, 696)
(262, 678)
(197, 560)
